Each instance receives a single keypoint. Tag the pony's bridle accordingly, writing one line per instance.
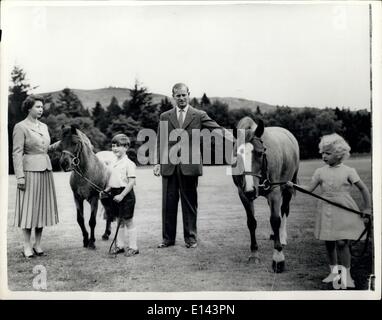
(75, 159)
(262, 174)
(265, 185)
(75, 162)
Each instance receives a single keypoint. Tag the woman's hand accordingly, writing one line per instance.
(21, 183)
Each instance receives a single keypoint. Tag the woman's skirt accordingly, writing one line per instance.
(36, 206)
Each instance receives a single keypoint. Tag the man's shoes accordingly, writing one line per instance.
(191, 245)
(164, 245)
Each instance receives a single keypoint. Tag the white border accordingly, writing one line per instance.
(290, 295)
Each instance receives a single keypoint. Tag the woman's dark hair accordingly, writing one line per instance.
(30, 101)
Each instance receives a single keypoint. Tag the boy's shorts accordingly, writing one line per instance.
(122, 210)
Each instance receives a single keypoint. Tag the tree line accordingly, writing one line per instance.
(138, 112)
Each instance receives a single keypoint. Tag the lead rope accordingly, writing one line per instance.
(114, 240)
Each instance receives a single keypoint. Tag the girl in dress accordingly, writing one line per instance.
(36, 204)
(334, 225)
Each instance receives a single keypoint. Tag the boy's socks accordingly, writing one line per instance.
(121, 237)
(132, 238)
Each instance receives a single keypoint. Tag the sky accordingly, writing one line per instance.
(286, 54)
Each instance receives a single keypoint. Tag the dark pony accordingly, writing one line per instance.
(89, 176)
(268, 158)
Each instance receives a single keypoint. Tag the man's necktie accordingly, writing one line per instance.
(180, 119)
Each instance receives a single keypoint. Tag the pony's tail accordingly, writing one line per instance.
(295, 181)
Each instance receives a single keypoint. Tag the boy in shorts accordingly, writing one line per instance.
(121, 203)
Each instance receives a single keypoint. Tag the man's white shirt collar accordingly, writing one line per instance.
(178, 111)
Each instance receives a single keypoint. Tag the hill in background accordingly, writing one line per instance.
(104, 96)
(237, 103)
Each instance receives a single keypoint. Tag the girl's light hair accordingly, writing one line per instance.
(336, 144)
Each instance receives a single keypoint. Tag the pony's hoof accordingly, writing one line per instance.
(254, 259)
(91, 245)
(86, 243)
(278, 267)
(278, 247)
(251, 195)
(105, 237)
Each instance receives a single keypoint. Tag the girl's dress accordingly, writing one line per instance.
(333, 223)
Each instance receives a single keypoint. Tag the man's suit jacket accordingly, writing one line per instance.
(195, 119)
(30, 148)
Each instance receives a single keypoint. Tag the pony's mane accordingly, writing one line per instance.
(84, 139)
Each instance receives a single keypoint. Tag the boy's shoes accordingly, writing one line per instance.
(164, 245)
(131, 252)
(191, 245)
(118, 250)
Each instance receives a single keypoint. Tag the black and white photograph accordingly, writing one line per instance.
(190, 150)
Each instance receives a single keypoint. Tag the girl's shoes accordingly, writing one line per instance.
(331, 277)
(350, 283)
(333, 274)
(344, 277)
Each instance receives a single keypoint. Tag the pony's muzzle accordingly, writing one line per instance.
(65, 165)
(251, 195)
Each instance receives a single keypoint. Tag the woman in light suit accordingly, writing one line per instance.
(36, 204)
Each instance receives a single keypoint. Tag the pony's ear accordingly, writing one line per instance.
(260, 129)
(74, 128)
(63, 126)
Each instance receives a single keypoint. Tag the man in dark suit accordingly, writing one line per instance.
(181, 176)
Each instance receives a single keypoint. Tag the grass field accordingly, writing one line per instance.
(220, 263)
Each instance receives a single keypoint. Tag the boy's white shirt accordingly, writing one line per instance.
(121, 170)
